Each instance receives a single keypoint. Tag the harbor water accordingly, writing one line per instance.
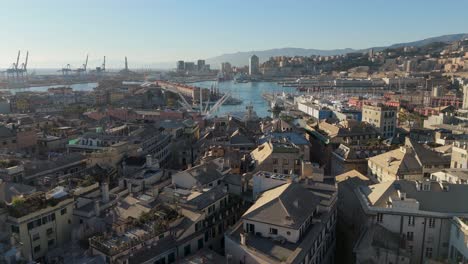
(248, 93)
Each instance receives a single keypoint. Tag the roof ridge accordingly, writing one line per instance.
(284, 207)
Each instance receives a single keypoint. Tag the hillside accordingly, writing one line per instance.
(242, 58)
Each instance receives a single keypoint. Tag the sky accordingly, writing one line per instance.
(152, 32)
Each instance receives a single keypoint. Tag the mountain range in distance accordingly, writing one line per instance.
(242, 58)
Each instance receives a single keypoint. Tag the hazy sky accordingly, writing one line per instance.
(152, 31)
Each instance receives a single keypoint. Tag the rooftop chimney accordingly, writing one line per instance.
(105, 192)
(243, 239)
(149, 161)
(97, 207)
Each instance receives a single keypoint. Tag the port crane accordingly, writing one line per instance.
(24, 66)
(12, 72)
(16, 72)
(103, 66)
(66, 70)
(85, 65)
(125, 70)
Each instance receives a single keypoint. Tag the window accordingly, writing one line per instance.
(50, 231)
(428, 252)
(30, 225)
(431, 222)
(275, 161)
(200, 243)
(251, 228)
(36, 237)
(285, 162)
(187, 250)
(410, 249)
(379, 218)
(63, 211)
(161, 261)
(37, 249)
(171, 258)
(273, 231)
(51, 242)
(409, 236)
(15, 229)
(161, 236)
(410, 220)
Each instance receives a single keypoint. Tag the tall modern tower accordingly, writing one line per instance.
(254, 65)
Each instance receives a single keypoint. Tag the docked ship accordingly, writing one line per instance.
(241, 78)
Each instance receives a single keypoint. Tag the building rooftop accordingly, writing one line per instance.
(442, 198)
(35, 202)
(461, 174)
(206, 173)
(149, 226)
(9, 190)
(288, 205)
(208, 197)
(292, 137)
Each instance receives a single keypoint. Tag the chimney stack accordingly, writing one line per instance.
(149, 161)
(243, 238)
(97, 208)
(105, 192)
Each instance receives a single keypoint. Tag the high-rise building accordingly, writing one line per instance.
(226, 67)
(253, 65)
(180, 65)
(383, 118)
(201, 65)
(189, 66)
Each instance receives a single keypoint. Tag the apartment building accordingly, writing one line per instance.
(412, 161)
(281, 157)
(458, 248)
(459, 155)
(290, 223)
(383, 118)
(419, 213)
(349, 157)
(41, 222)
